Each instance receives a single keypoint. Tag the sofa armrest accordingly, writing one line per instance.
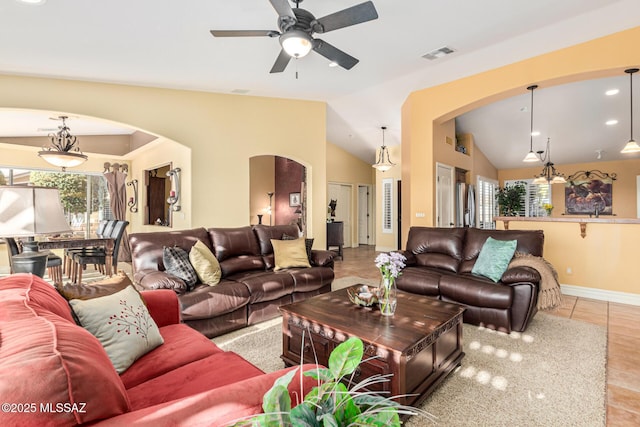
(163, 306)
(520, 274)
(155, 279)
(218, 407)
(322, 258)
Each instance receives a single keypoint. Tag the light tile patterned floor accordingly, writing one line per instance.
(622, 321)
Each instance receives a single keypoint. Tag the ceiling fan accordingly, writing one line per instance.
(297, 27)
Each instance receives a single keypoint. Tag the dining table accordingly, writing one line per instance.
(82, 242)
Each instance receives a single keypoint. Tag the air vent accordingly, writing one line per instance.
(240, 91)
(438, 53)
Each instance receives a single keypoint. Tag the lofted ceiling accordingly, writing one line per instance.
(168, 44)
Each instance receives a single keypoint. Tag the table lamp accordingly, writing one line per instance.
(27, 211)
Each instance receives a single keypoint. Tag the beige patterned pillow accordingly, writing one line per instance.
(122, 324)
(205, 263)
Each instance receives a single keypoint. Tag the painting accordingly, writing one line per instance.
(589, 197)
(294, 199)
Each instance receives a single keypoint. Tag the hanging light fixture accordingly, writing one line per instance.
(549, 173)
(631, 146)
(531, 156)
(296, 43)
(383, 163)
(64, 151)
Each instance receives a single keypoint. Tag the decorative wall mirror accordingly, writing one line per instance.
(158, 190)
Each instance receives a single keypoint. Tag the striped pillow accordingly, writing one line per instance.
(176, 262)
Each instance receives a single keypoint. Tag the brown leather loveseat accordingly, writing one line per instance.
(250, 290)
(439, 264)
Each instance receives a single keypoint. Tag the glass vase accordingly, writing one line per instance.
(388, 296)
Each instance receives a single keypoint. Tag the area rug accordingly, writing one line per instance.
(551, 375)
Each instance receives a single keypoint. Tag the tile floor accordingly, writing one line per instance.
(622, 322)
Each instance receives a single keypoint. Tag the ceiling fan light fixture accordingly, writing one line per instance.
(296, 43)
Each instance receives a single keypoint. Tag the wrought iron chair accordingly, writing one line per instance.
(98, 256)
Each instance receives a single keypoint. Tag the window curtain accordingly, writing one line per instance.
(116, 184)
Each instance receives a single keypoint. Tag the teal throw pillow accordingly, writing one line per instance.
(494, 258)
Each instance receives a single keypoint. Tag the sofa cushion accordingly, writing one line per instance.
(419, 280)
(437, 247)
(45, 357)
(266, 285)
(146, 248)
(289, 254)
(154, 279)
(529, 242)
(182, 345)
(215, 371)
(475, 291)
(176, 262)
(205, 264)
(206, 301)
(494, 258)
(122, 323)
(236, 249)
(311, 279)
(267, 232)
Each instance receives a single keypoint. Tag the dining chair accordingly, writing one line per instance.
(54, 262)
(98, 256)
(105, 227)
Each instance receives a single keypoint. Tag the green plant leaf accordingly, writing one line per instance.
(328, 420)
(321, 374)
(303, 415)
(277, 405)
(346, 357)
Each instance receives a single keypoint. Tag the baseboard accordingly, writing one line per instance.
(601, 294)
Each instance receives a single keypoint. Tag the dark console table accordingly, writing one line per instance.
(335, 236)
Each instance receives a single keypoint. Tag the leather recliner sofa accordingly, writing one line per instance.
(439, 264)
(249, 292)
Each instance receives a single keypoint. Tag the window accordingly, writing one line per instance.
(535, 196)
(387, 205)
(84, 197)
(487, 206)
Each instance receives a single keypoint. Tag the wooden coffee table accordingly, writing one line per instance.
(420, 345)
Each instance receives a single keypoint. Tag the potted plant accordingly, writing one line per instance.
(330, 403)
(511, 199)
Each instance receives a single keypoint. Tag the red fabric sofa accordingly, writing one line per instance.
(55, 373)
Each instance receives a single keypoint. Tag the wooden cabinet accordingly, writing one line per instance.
(335, 236)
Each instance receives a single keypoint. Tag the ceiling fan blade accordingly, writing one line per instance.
(283, 8)
(357, 14)
(244, 33)
(281, 62)
(334, 54)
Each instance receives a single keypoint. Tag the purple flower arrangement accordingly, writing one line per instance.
(390, 264)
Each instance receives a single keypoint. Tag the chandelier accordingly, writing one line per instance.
(383, 163)
(549, 173)
(64, 150)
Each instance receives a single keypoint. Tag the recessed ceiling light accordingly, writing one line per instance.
(333, 64)
(611, 122)
(612, 92)
(32, 1)
(535, 133)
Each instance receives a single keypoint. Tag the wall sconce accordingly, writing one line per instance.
(133, 200)
(174, 195)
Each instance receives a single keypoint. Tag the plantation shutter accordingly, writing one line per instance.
(486, 199)
(387, 205)
(535, 197)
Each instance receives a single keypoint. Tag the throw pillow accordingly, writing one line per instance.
(122, 324)
(308, 243)
(494, 258)
(95, 289)
(289, 253)
(176, 262)
(205, 264)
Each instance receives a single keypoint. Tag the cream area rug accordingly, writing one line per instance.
(551, 375)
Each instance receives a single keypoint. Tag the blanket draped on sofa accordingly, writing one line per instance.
(549, 295)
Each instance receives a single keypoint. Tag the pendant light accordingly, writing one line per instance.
(631, 146)
(384, 163)
(531, 156)
(64, 151)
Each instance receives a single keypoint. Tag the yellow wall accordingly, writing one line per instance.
(427, 108)
(388, 241)
(345, 168)
(222, 131)
(624, 187)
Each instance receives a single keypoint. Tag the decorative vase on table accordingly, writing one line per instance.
(388, 297)
(390, 266)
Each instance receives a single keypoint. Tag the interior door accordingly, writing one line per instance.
(364, 215)
(444, 196)
(342, 193)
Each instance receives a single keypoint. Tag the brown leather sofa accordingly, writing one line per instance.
(250, 290)
(439, 264)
